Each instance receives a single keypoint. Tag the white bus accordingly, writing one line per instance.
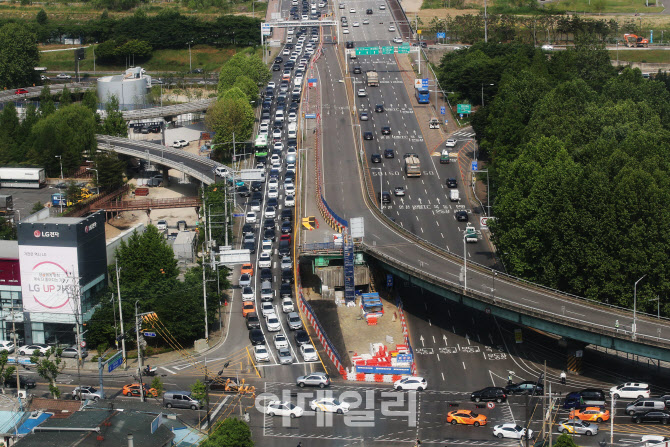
(34, 178)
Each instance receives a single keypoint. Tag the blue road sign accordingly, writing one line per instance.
(238, 215)
(310, 115)
(389, 280)
(441, 35)
(149, 334)
(115, 363)
(474, 165)
(424, 82)
(157, 422)
(443, 110)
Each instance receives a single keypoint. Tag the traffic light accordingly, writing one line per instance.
(80, 54)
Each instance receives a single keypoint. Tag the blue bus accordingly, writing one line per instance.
(422, 95)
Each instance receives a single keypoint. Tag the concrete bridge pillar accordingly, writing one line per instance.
(574, 355)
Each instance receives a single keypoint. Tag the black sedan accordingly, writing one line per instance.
(388, 153)
(256, 337)
(286, 227)
(662, 417)
(301, 337)
(276, 67)
(386, 130)
(266, 275)
(368, 135)
(269, 233)
(452, 183)
(287, 276)
(462, 216)
(379, 108)
(243, 191)
(279, 60)
(527, 387)
(268, 223)
(376, 158)
(490, 393)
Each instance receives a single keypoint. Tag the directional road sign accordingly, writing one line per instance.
(443, 110)
(474, 166)
(115, 362)
(366, 51)
(441, 35)
(238, 215)
(149, 334)
(404, 49)
(388, 50)
(463, 108)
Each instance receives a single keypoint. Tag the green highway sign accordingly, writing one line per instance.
(463, 108)
(388, 50)
(403, 49)
(366, 51)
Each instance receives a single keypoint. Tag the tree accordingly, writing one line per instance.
(231, 432)
(19, 56)
(7, 230)
(73, 192)
(110, 170)
(157, 384)
(230, 116)
(6, 372)
(248, 87)
(243, 64)
(65, 97)
(47, 106)
(199, 391)
(41, 17)
(565, 440)
(114, 124)
(49, 369)
(38, 206)
(90, 101)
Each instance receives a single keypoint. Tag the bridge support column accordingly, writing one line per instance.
(166, 177)
(574, 355)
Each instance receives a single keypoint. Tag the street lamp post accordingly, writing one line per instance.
(60, 159)
(634, 328)
(190, 65)
(97, 180)
(483, 93)
(465, 265)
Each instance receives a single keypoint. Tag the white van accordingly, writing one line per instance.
(453, 195)
(292, 130)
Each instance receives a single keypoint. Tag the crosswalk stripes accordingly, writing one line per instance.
(464, 133)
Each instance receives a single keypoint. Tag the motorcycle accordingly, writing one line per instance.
(150, 372)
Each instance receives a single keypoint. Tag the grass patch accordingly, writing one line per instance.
(642, 56)
(208, 58)
(606, 6)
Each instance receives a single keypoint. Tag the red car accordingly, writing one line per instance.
(21, 91)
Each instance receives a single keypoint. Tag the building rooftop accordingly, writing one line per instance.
(59, 407)
(9, 420)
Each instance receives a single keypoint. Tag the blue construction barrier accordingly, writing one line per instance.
(337, 218)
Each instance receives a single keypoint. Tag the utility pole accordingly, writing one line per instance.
(551, 406)
(204, 294)
(544, 399)
(207, 399)
(16, 351)
(139, 352)
(123, 334)
(486, 29)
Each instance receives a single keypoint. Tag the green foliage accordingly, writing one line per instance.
(115, 51)
(6, 371)
(198, 391)
(114, 124)
(116, 5)
(110, 170)
(73, 192)
(565, 440)
(7, 230)
(157, 384)
(215, 199)
(65, 97)
(47, 106)
(230, 115)
(19, 56)
(248, 87)
(69, 132)
(41, 17)
(90, 100)
(49, 369)
(230, 432)
(243, 64)
(37, 207)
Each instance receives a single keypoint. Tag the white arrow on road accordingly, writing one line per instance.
(444, 337)
(421, 338)
(438, 200)
(419, 200)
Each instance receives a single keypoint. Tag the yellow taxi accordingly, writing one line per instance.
(591, 414)
(466, 417)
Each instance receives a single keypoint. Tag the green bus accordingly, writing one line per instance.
(261, 147)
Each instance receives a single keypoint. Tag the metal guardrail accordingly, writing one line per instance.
(172, 110)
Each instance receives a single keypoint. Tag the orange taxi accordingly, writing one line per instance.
(134, 390)
(466, 417)
(247, 268)
(248, 307)
(591, 414)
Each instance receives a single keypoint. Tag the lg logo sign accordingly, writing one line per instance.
(90, 227)
(38, 233)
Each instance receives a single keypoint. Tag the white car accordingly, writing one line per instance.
(286, 52)
(273, 323)
(365, 22)
(308, 353)
(270, 212)
(287, 305)
(251, 217)
(267, 308)
(382, 7)
(63, 76)
(275, 157)
(392, 28)
(279, 408)
(322, 5)
(362, 93)
(630, 390)
(286, 263)
(273, 183)
(266, 246)
(247, 293)
(273, 193)
(511, 430)
(356, 24)
(345, 30)
(292, 117)
(276, 133)
(352, 11)
(290, 167)
(451, 143)
(547, 47)
(289, 189)
(280, 341)
(264, 128)
(304, 17)
(221, 171)
(278, 146)
(265, 260)
(179, 143)
(162, 225)
(276, 164)
(29, 349)
(272, 85)
(7, 346)
(255, 206)
(289, 200)
(330, 405)
(397, 40)
(261, 353)
(410, 383)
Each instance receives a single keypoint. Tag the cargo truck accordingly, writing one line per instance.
(373, 78)
(470, 234)
(412, 166)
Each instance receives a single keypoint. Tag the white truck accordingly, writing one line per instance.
(471, 234)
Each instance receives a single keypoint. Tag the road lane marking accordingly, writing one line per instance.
(168, 370)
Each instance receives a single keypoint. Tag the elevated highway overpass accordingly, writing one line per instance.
(34, 92)
(168, 111)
